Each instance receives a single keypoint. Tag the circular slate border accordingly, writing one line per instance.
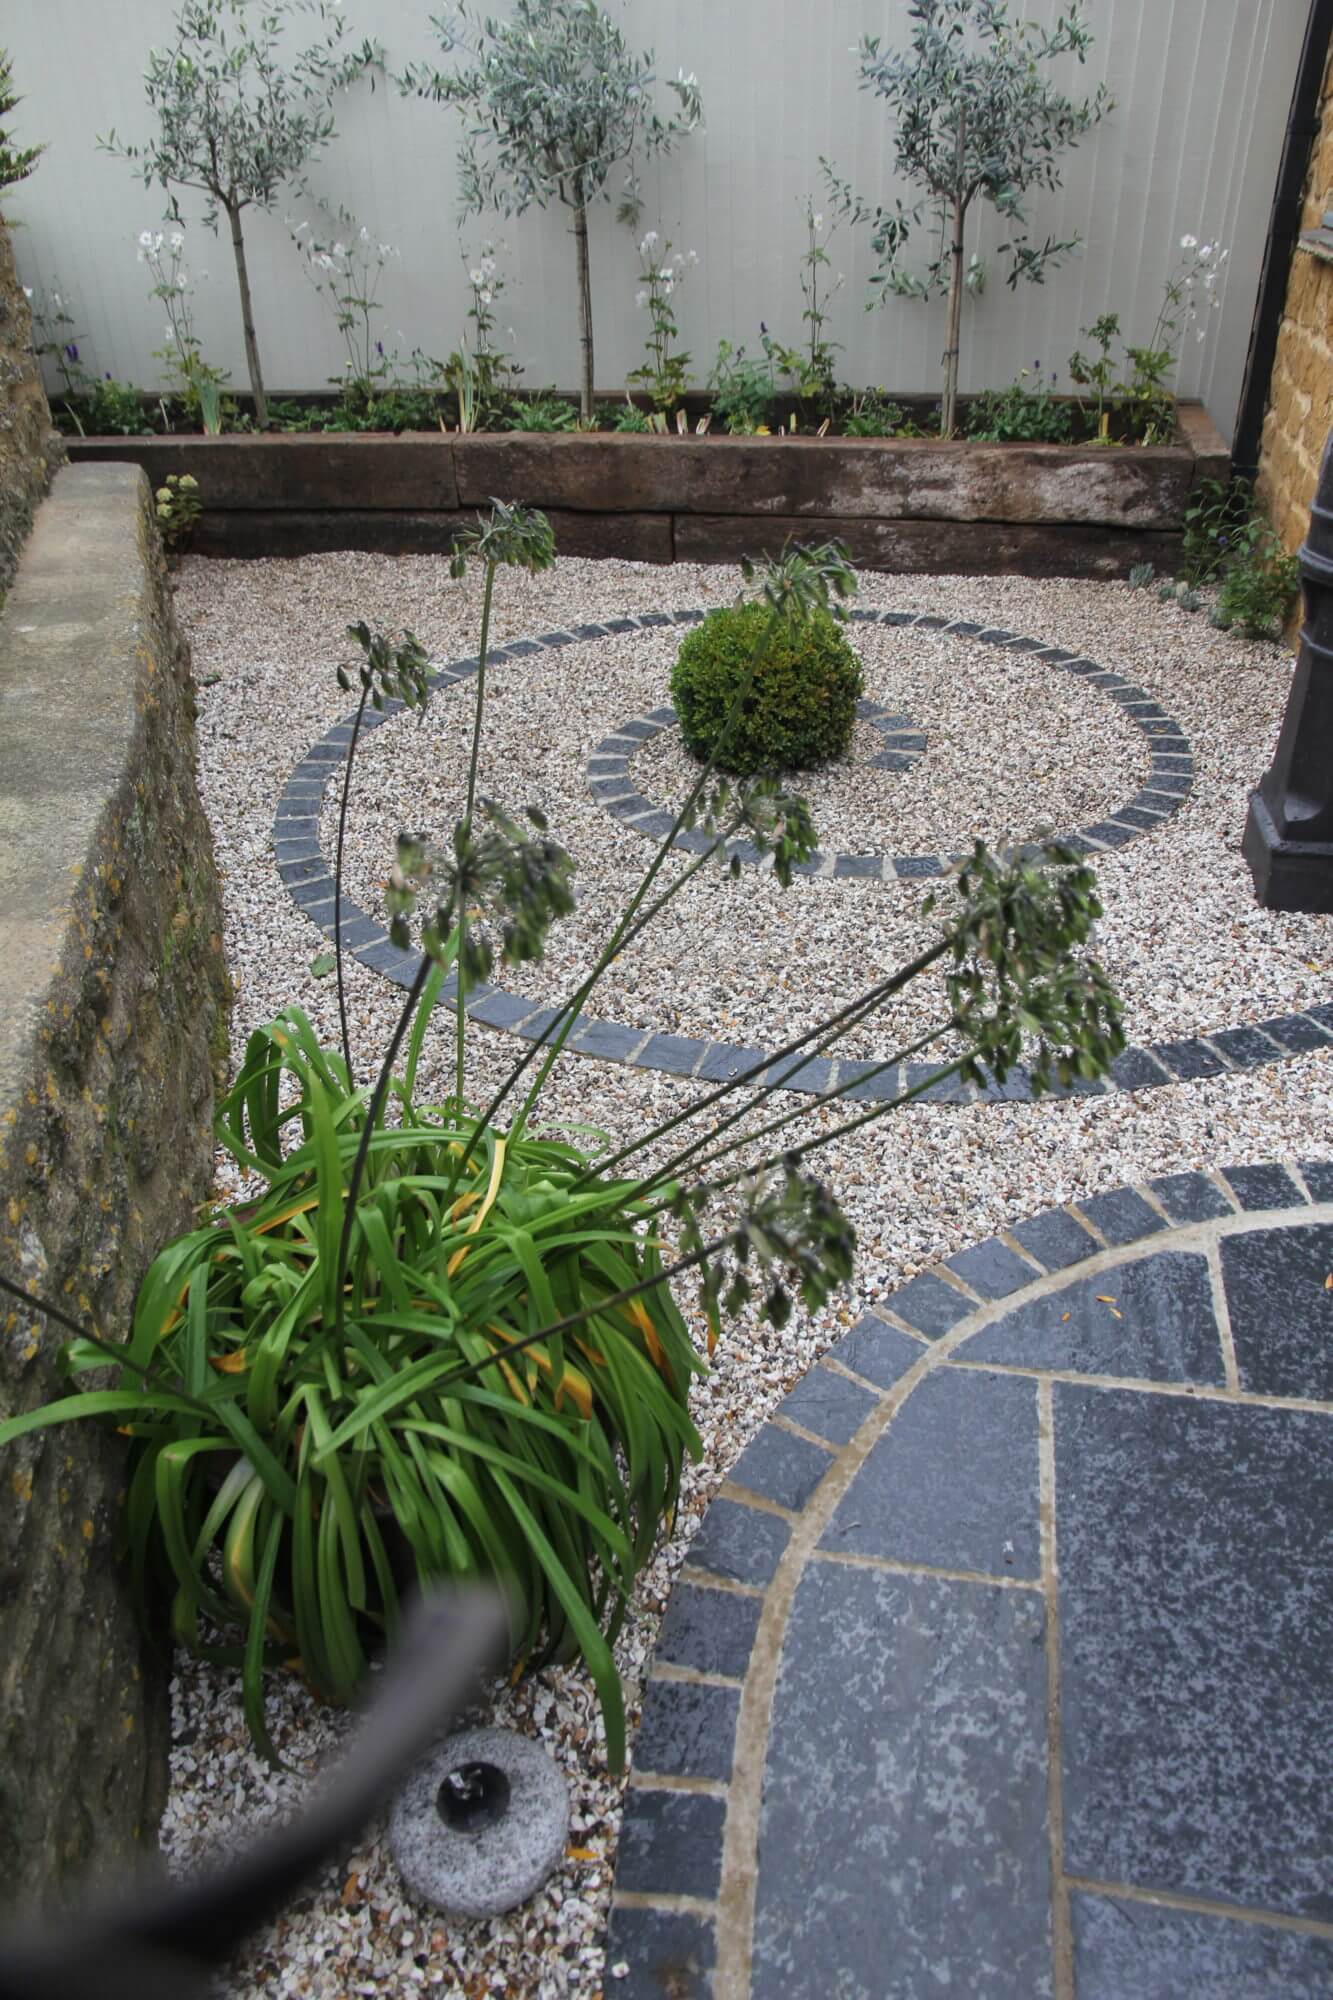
(608, 774)
(1170, 772)
(303, 866)
(669, 1900)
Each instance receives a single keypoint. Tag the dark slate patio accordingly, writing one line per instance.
(1000, 1666)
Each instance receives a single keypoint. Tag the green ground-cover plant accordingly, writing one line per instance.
(1229, 545)
(743, 391)
(238, 120)
(545, 412)
(556, 101)
(437, 1341)
(801, 707)
(1028, 411)
(974, 120)
(1259, 584)
(872, 414)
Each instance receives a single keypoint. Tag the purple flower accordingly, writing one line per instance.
(763, 326)
(379, 349)
(72, 350)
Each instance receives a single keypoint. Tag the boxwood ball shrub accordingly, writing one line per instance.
(802, 703)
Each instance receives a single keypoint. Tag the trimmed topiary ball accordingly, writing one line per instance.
(801, 707)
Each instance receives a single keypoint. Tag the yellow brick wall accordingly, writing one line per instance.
(1300, 409)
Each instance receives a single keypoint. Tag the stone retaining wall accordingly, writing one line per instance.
(29, 448)
(1300, 410)
(112, 1024)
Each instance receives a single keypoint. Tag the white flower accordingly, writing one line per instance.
(641, 299)
(1205, 253)
(183, 282)
(476, 278)
(1189, 242)
(488, 265)
(818, 221)
(1202, 334)
(1223, 258)
(693, 257)
(486, 296)
(27, 293)
(177, 240)
(339, 250)
(1210, 281)
(364, 234)
(649, 242)
(158, 241)
(145, 239)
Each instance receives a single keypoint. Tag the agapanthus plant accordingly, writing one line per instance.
(442, 1342)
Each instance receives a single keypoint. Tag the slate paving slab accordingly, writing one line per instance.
(1020, 1686)
(932, 1746)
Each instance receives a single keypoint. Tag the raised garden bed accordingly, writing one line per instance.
(900, 504)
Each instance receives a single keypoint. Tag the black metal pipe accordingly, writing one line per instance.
(1288, 838)
(1283, 228)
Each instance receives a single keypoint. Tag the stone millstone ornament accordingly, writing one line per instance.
(481, 1824)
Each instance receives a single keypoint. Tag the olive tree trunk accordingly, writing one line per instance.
(949, 410)
(247, 317)
(585, 313)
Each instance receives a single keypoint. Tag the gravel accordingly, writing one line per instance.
(1012, 745)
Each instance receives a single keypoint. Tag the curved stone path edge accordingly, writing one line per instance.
(998, 1663)
(1170, 771)
(307, 873)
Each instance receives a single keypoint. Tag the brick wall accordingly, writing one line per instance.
(1300, 411)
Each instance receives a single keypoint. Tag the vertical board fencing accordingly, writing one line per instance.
(1201, 88)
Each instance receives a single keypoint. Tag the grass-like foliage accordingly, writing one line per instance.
(441, 1342)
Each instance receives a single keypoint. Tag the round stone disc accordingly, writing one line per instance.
(502, 1858)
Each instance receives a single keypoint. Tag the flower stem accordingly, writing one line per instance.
(460, 995)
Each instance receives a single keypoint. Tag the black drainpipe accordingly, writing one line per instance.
(1283, 228)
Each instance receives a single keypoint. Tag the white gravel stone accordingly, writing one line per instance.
(1018, 742)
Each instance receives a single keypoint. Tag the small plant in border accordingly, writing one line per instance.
(177, 506)
(198, 385)
(346, 270)
(437, 1345)
(664, 376)
(1028, 411)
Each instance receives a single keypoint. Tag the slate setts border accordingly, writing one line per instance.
(676, 1917)
(307, 873)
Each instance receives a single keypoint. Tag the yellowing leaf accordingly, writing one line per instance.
(582, 1854)
(234, 1363)
(497, 1169)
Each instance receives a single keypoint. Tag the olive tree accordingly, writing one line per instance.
(555, 100)
(975, 119)
(237, 120)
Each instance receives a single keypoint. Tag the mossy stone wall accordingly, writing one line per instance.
(112, 1030)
